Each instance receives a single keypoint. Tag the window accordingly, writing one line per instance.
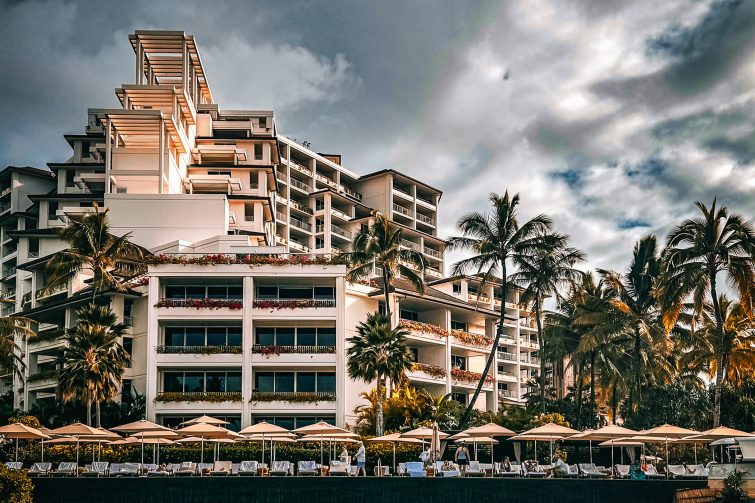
(203, 292)
(299, 382)
(202, 382)
(457, 288)
(85, 154)
(306, 336)
(127, 391)
(319, 204)
(459, 397)
(257, 151)
(295, 336)
(319, 243)
(458, 325)
(52, 210)
(459, 362)
(253, 183)
(33, 247)
(409, 315)
(128, 347)
(306, 382)
(296, 292)
(249, 213)
(70, 174)
(203, 336)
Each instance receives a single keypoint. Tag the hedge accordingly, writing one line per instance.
(15, 486)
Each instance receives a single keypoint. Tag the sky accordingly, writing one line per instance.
(611, 116)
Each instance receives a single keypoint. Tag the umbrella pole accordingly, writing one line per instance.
(321, 457)
(16, 448)
(667, 460)
(394, 458)
(590, 451)
(201, 455)
(77, 456)
(43, 450)
(622, 455)
(694, 446)
(263, 448)
(536, 460)
(142, 449)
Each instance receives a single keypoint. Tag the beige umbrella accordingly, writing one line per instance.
(141, 426)
(551, 431)
(264, 428)
(395, 438)
(205, 420)
(489, 431)
(79, 430)
(668, 432)
(155, 442)
(205, 432)
(320, 428)
(718, 433)
(19, 431)
(423, 433)
(609, 432)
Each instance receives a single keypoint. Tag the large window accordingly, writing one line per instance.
(291, 382)
(295, 336)
(203, 336)
(291, 422)
(202, 382)
(459, 397)
(296, 292)
(459, 362)
(458, 325)
(405, 314)
(203, 292)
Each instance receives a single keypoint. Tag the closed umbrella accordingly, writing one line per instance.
(19, 431)
(79, 430)
(395, 438)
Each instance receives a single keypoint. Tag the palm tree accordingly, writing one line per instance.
(543, 274)
(94, 361)
(697, 251)
(379, 246)
(633, 297)
(92, 248)
(377, 353)
(497, 240)
(13, 328)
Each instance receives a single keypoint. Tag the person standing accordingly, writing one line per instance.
(462, 457)
(361, 460)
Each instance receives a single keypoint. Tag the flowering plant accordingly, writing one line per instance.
(469, 376)
(294, 397)
(292, 303)
(270, 350)
(177, 396)
(431, 370)
(251, 260)
(470, 339)
(418, 326)
(201, 303)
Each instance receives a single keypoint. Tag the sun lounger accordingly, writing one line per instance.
(14, 465)
(382, 471)
(130, 470)
(354, 470)
(39, 469)
(96, 469)
(699, 471)
(415, 469)
(447, 471)
(160, 472)
(652, 473)
(204, 468)
(186, 469)
(682, 472)
(307, 468)
(338, 469)
(622, 471)
(280, 469)
(66, 469)
(248, 468)
(536, 472)
(573, 472)
(221, 469)
(401, 470)
(474, 470)
(235, 469)
(516, 470)
(589, 470)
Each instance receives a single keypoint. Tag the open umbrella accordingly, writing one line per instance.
(79, 430)
(141, 426)
(283, 438)
(488, 431)
(551, 432)
(320, 428)
(205, 420)
(609, 432)
(21, 431)
(264, 428)
(395, 438)
(205, 432)
(668, 432)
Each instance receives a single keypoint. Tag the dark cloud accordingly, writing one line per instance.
(633, 223)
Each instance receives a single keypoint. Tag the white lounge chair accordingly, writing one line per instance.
(280, 469)
(248, 468)
(338, 469)
(401, 470)
(515, 470)
(622, 471)
(221, 469)
(130, 470)
(589, 470)
(307, 468)
(40, 469)
(66, 469)
(415, 469)
(652, 473)
(96, 469)
(382, 471)
(14, 465)
(204, 468)
(474, 470)
(447, 472)
(235, 469)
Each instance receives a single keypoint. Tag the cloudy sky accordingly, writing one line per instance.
(612, 116)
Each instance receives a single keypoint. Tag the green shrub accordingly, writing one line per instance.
(15, 486)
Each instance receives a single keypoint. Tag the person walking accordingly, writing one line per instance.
(462, 457)
(361, 460)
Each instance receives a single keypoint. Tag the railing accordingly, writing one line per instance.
(6, 191)
(472, 339)
(507, 374)
(431, 252)
(293, 396)
(300, 185)
(8, 271)
(248, 218)
(295, 222)
(474, 297)
(293, 303)
(402, 210)
(42, 292)
(431, 370)
(339, 214)
(408, 244)
(421, 327)
(198, 350)
(506, 356)
(339, 231)
(324, 179)
(399, 189)
(432, 271)
(45, 375)
(280, 216)
(425, 219)
(469, 376)
(281, 177)
(201, 303)
(298, 246)
(9, 293)
(4, 207)
(301, 169)
(299, 350)
(425, 199)
(33, 254)
(349, 192)
(505, 393)
(281, 199)
(301, 207)
(128, 320)
(200, 396)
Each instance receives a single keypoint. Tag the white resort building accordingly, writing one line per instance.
(218, 326)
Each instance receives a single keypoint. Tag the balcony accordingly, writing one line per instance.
(474, 297)
(339, 214)
(426, 200)
(198, 350)
(280, 217)
(6, 191)
(299, 350)
(301, 169)
(233, 304)
(338, 231)
(301, 225)
(471, 339)
(281, 177)
(293, 303)
(432, 253)
(425, 371)
(327, 181)
(9, 271)
(295, 245)
(401, 210)
(201, 396)
(433, 272)
(509, 357)
(349, 192)
(506, 376)
(403, 192)
(293, 396)
(505, 393)
(425, 219)
(300, 207)
(408, 244)
(468, 377)
(301, 185)
(4, 207)
(423, 330)
(280, 199)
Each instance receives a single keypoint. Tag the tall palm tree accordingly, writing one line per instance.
(496, 241)
(378, 352)
(543, 274)
(93, 249)
(633, 297)
(94, 361)
(13, 328)
(697, 251)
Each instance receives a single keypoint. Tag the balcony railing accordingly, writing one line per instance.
(293, 396)
(262, 349)
(6, 191)
(295, 222)
(431, 252)
(432, 271)
(423, 328)
(408, 244)
(300, 185)
(510, 357)
(301, 169)
(425, 219)
(198, 350)
(201, 303)
(431, 370)
(397, 208)
(505, 393)
(349, 192)
(403, 191)
(425, 199)
(281, 177)
(4, 207)
(280, 216)
(293, 303)
(324, 179)
(474, 297)
(509, 375)
(301, 207)
(340, 214)
(298, 246)
(199, 396)
(340, 232)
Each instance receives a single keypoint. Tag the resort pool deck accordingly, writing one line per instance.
(353, 490)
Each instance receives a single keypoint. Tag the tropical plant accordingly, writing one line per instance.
(94, 361)
(496, 241)
(94, 250)
(378, 352)
(12, 329)
(378, 246)
(15, 486)
(543, 274)
(697, 251)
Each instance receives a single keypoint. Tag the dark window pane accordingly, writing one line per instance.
(194, 336)
(234, 336)
(233, 382)
(194, 382)
(264, 382)
(216, 336)
(295, 293)
(235, 292)
(324, 292)
(175, 292)
(286, 422)
(284, 382)
(234, 423)
(305, 382)
(326, 382)
(217, 292)
(265, 336)
(173, 381)
(306, 336)
(174, 336)
(284, 336)
(326, 336)
(267, 292)
(195, 292)
(215, 381)
(305, 421)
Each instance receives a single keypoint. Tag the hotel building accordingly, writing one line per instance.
(215, 328)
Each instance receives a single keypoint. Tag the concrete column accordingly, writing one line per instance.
(340, 351)
(153, 330)
(108, 155)
(161, 157)
(447, 326)
(247, 341)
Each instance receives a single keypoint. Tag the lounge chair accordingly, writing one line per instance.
(382, 471)
(221, 469)
(652, 473)
(474, 470)
(415, 469)
(248, 468)
(14, 465)
(235, 469)
(516, 470)
(307, 468)
(40, 469)
(401, 470)
(446, 471)
(682, 472)
(573, 472)
(96, 469)
(338, 469)
(130, 470)
(536, 472)
(160, 472)
(66, 469)
(186, 469)
(589, 470)
(622, 471)
(280, 469)
(698, 471)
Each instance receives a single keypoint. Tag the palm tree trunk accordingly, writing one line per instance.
(89, 412)
(97, 412)
(719, 352)
(379, 409)
(540, 341)
(614, 404)
(580, 370)
(491, 357)
(387, 294)
(635, 400)
(592, 381)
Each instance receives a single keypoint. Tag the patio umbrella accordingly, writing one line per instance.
(488, 430)
(141, 426)
(320, 428)
(609, 432)
(41, 444)
(264, 428)
(283, 438)
(551, 431)
(156, 442)
(21, 431)
(584, 435)
(78, 430)
(205, 432)
(434, 443)
(668, 432)
(395, 438)
(536, 439)
(205, 420)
